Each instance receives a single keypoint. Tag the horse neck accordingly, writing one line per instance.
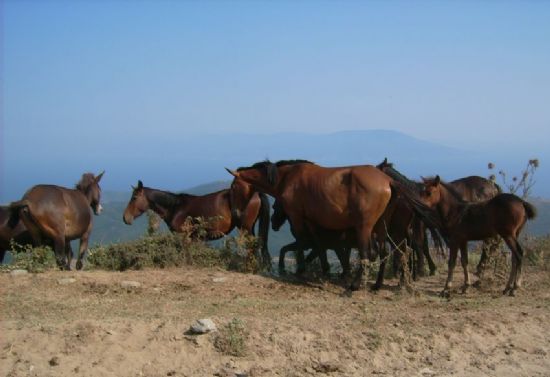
(163, 203)
(87, 194)
(449, 207)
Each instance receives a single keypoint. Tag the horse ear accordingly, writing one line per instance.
(140, 185)
(385, 160)
(98, 178)
(437, 180)
(233, 173)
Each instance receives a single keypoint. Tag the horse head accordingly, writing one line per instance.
(137, 205)
(89, 186)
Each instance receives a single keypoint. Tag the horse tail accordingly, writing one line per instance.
(530, 210)
(263, 228)
(426, 214)
(15, 212)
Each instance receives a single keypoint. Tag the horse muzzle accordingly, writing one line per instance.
(128, 220)
(98, 209)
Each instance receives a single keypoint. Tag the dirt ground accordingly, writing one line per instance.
(92, 326)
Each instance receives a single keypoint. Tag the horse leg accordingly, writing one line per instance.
(511, 285)
(282, 253)
(365, 254)
(82, 250)
(59, 249)
(383, 252)
(325, 266)
(69, 252)
(426, 251)
(343, 255)
(464, 261)
(518, 280)
(453, 253)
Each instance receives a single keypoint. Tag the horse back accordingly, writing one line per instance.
(210, 206)
(56, 209)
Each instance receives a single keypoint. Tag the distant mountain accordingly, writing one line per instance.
(171, 162)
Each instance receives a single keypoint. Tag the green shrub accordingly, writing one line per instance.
(32, 259)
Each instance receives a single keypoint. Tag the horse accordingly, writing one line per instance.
(476, 189)
(407, 228)
(18, 234)
(335, 240)
(61, 215)
(352, 197)
(216, 207)
(504, 215)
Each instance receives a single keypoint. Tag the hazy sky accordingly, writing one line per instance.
(133, 74)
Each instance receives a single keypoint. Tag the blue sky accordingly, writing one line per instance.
(120, 78)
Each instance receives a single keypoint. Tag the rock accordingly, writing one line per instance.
(54, 361)
(18, 272)
(129, 284)
(219, 280)
(66, 281)
(203, 326)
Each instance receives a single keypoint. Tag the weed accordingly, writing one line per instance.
(231, 339)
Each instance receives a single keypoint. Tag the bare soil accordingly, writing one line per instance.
(95, 327)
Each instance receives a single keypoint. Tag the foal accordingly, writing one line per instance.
(504, 215)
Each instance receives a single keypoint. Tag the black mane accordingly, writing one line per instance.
(271, 168)
(164, 199)
(387, 167)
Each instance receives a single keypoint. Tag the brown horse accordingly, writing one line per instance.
(60, 214)
(504, 215)
(477, 189)
(216, 207)
(406, 228)
(18, 234)
(353, 197)
(336, 240)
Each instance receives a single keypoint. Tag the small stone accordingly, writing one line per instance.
(18, 272)
(54, 361)
(203, 326)
(219, 280)
(128, 284)
(66, 281)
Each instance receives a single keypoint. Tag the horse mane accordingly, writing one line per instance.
(165, 199)
(85, 182)
(271, 168)
(387, 167)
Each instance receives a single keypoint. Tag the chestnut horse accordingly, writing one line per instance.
(504, 215)
(18, 234)
(353, 197)
(60, 214)
(216, 207)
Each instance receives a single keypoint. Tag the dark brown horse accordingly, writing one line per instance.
(60, 214)
(18, 234)
(478, 189)
(353, 197)
(406, 228)
(338, 241)
(504, 215)
(216, 207)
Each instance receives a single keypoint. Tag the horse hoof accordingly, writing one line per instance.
(506, 291)
(445, 293)
(433, 272)
(79, 265)
(512, 293)
(465, 288)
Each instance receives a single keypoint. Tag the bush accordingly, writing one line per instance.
(164, 250)
(32, 259)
